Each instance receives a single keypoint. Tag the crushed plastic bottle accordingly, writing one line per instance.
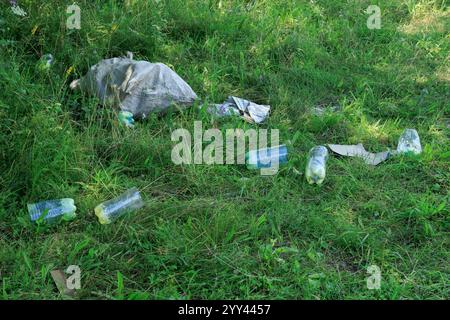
(45, 62)
(266, 157)
(409, 142)
(53, 210)
(110, 210)
(126, 118)
(316, 167)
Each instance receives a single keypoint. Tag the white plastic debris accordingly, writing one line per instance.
(139, 87)
(359, 151)
(409, 142)
(17, 10)
(249, 111)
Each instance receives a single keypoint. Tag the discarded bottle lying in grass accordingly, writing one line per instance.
(52, 210)
(409, 142)
(110, 210)
(266, 157)
(45, 62)
(316, 166)
(126, 118)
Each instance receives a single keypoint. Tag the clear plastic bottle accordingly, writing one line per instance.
(45, 62)
(409, 142)
(53, 210)
(126, 118)
(316, 167)
(266, 157)
(110, 210)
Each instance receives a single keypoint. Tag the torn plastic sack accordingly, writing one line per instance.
(139, 87)
(249, 111)
(359, 151)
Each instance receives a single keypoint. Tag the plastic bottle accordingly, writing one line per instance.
(53, 210)
(45, 62)
(266, 157)
(409, 142)
(110, 210)
(316, 167)
(126, 118)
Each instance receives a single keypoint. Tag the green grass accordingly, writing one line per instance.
(212, 232)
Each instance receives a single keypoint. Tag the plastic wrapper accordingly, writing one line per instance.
(249, 111)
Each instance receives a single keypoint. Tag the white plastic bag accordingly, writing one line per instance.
(139, 87)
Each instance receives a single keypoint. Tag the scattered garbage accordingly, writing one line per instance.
(110, 210)
(52, 210)
(359, 151)
(409, 142)
(60, 279)
(316, 167)
(126, 118)
(266, 157)
(249, 111)
(45, 62)
(139, 87)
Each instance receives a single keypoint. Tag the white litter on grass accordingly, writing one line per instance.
(18, 11)
(248, 110)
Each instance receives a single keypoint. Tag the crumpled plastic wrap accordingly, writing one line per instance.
(139, 87)
(248, 110)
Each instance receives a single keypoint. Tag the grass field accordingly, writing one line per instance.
(222, 231)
